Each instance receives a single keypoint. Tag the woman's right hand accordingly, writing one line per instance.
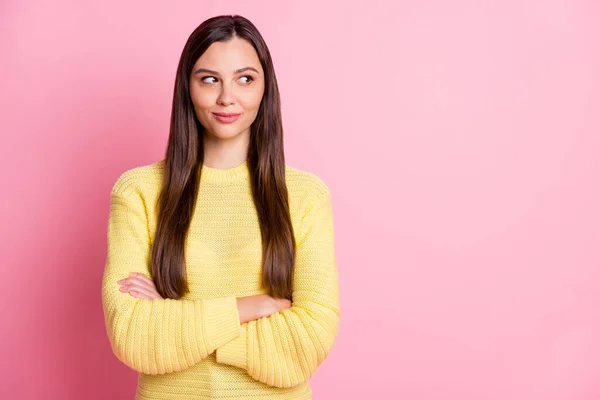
(277, 305)
(260, 306)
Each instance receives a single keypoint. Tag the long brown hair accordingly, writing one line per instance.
(185, 155)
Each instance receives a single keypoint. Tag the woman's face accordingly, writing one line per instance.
(227, 78)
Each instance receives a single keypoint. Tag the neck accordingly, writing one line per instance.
(235, 173)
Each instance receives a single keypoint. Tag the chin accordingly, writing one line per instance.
(226, 133)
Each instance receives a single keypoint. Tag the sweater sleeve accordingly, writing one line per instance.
(285, 349)
(160, 335)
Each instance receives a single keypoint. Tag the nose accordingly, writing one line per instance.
(226, 97)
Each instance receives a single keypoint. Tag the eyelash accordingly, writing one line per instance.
(245, 76)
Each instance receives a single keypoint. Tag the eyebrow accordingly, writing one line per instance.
(237, 71)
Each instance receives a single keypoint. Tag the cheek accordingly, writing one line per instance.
(202, 99)
(251, 101)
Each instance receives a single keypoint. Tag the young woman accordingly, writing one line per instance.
(220, 278)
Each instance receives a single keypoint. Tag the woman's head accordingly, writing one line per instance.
(208, 82)
(224, 44)
(227, 79)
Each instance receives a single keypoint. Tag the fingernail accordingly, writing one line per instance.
(133, 274)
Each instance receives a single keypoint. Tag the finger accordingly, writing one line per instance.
(150, 296)
(143, 281)
(133, 275)
(143, 289)
(283, 304)
(140, 283)
(140, 295)
(132, 285)
(147, 283)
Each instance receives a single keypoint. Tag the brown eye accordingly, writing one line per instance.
(250, 79)
(207, 77)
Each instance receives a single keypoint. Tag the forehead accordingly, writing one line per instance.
(228, 56)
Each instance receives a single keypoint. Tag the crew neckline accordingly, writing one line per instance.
(237, 173)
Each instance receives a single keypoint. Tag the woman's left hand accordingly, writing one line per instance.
(139, 286)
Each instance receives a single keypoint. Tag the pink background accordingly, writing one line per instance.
(460, 141)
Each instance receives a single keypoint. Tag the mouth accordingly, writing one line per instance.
(226, 117)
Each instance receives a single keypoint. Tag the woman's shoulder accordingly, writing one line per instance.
(304, 184)
(140, 179)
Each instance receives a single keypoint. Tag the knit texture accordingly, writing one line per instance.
(195, 347)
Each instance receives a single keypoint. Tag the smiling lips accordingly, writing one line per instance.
(226, 118)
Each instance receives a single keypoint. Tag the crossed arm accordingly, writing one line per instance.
(155, 335)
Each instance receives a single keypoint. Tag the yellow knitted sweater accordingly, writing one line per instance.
(195, 347)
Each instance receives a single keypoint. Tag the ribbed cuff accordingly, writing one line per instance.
(234, 352)
(222, 320)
